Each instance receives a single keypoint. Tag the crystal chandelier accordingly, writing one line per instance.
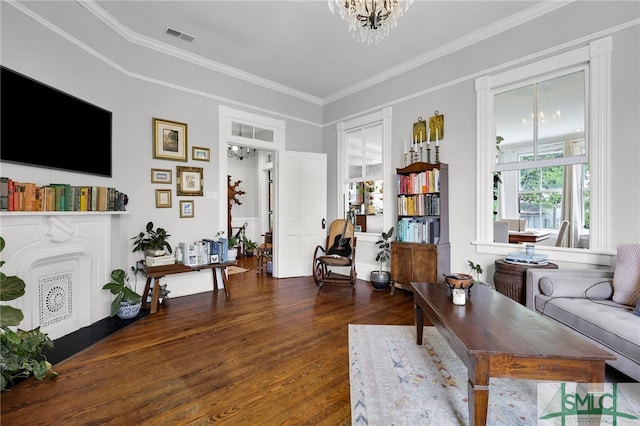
(240, 152)
(370, 20)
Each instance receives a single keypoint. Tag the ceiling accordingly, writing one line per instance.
(300, 47)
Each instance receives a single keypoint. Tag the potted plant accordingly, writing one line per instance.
(21, 350)
(477, 269)
(152, 242)
(382, 279)
(234, 242)
(126, 303)
(249, 246)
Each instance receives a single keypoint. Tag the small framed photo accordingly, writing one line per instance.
(169, 140)
(163, 198)
(160, 176)
(186, 208)
(200, 154)
(189, 180)
(214, 258)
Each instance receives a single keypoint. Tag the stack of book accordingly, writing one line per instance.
(527, 259)
(166, 259)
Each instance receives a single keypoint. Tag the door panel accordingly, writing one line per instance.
(301, 206)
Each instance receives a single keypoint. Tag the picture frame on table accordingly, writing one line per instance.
(186, 208)
(163, 198)
(161, 176)
(169, 140)
(189, 180)
(214, 258)
(200, 154)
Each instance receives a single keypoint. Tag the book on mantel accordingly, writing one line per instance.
(527, 259)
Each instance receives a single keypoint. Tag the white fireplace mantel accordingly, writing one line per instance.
(64, 259)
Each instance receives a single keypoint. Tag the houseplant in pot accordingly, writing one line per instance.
(126, 303)
(20, 350)
(249, 246)
(234, 242)
(382, 279)
(152, 242)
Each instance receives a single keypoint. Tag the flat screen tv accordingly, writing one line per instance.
(43, 127)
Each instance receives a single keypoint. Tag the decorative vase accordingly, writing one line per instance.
(128, 310)
(380, 279)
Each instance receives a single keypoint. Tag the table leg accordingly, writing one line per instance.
(155, 296)
(419, 323)
(478, 391)
(145, 294)
(223, 272)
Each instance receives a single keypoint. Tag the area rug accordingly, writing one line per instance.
(396, 382)
(235, 270)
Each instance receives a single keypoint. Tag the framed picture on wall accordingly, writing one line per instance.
(199, 153)
(189, 180)
(163, 198)
(169, 140)
(186, 208)
(160, 176)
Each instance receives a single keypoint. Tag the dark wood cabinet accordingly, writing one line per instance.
(422, 250)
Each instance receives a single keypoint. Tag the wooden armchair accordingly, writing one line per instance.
(339, 254)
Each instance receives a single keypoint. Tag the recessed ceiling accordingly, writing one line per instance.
(302, 48)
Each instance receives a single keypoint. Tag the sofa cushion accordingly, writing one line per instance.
(591, 288)
(636, 311)
(626, 278)
(608, 323)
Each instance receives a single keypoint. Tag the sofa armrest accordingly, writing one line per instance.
(535, 275)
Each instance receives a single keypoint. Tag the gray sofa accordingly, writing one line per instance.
(581, 301)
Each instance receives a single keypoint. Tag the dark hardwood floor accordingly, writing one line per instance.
(276, 353)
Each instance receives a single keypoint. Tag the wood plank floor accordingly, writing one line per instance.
(276, 353)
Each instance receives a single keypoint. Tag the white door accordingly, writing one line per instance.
(301, 211)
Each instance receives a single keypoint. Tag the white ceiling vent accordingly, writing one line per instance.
(180, 34)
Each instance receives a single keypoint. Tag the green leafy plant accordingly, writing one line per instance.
(151, 239)
(477, 269)
(248, 244)
(384, 248)
(234, 241)
(20, 350)
(119, 286)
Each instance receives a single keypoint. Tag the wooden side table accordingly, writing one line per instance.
(510, 279)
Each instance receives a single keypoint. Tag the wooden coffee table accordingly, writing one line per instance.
(495, 336)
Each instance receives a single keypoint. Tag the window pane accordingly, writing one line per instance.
(373, 140)
(264, 134)
(354, 154)
(514, 113)
(561, 111)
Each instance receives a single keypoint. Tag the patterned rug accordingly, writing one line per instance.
(396, 382)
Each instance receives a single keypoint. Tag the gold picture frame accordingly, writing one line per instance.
(189, 180)
(169, 140)
(187, 208)
(161, 176)
(200, 154)
(163, 198)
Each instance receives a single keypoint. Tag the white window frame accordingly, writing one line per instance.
(383, 116)
(598, 57)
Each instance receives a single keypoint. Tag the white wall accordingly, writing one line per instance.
(63, 45)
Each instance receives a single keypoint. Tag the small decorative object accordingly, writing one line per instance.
(464, 281)
(477, 269)
(189, 180)
(169, 140)
(200, 154)
(420, 130)
(160, 176)
(459, 296)
(186, 208)
(530, 249)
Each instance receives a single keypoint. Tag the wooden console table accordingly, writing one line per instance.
(157, 272)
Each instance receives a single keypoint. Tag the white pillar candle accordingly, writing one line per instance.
(405, 145)
(459, 296)
(429, 138)
(437, 144)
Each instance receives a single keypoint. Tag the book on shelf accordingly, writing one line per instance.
(165, 259)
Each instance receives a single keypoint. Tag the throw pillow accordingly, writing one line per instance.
(590, 288)
(637, 310)
(626, 277)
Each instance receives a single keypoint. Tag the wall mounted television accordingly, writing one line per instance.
(44, 127)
